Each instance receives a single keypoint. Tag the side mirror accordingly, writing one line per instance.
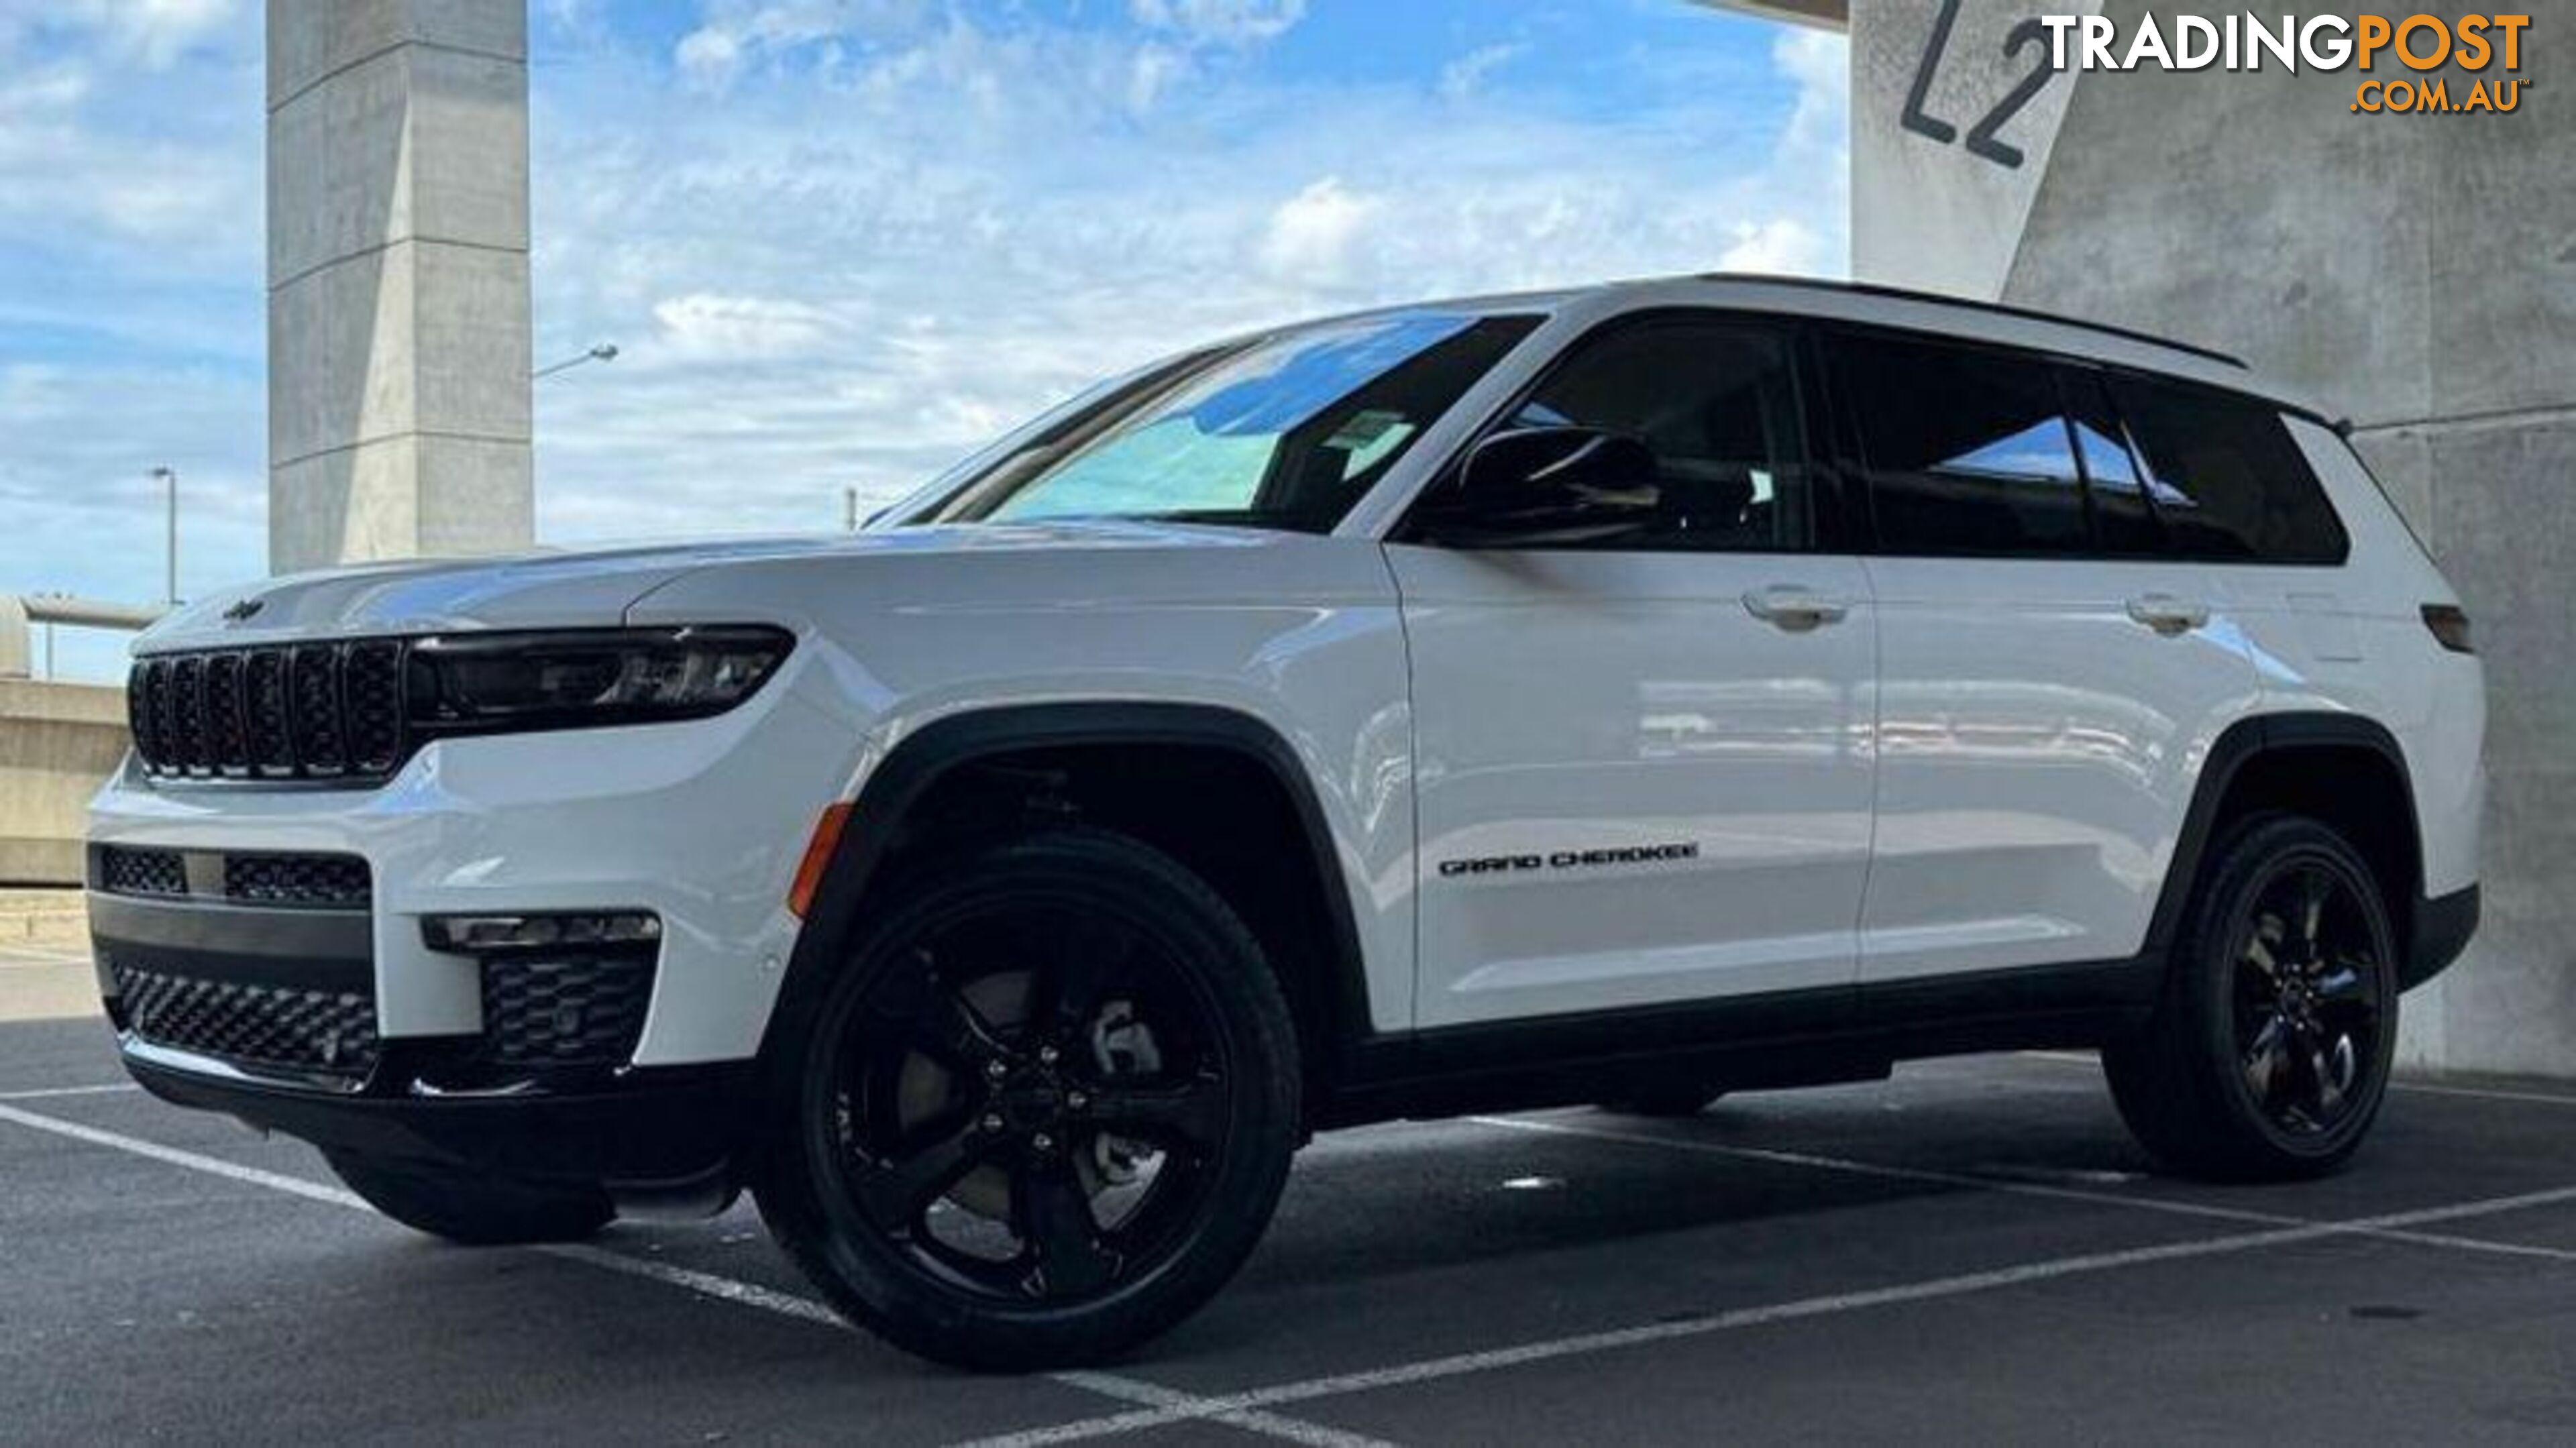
(1550, 485)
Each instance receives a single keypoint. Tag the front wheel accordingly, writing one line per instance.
(1043, 1111)
(2270, 1054)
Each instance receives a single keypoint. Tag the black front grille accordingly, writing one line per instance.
(336, 880)
(282, 712)
(265, 1027)
(564, 1012)
(141, 872)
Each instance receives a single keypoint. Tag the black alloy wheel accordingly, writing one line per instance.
(2307, 1000)
(2269, 1056)
(1046, 1112)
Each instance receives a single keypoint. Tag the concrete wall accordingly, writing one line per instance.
(399, 410)
(57, 743)
(2415, 273)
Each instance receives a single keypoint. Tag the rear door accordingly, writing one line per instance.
(1644, 763)
(2049, 674)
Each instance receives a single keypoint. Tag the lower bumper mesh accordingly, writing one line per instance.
(583, 1011)
(290, 1029)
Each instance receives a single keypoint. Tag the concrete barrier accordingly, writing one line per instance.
(57, 742)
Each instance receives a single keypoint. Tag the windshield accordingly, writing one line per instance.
(1286, 433)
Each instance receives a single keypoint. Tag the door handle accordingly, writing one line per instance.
(1794, 609)
(2167, 614)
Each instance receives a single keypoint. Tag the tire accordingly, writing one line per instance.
(476, 1213)
(2268, 1057)
(1664, 1102)
(1042, 1111)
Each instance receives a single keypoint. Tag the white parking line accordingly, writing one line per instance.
(1191, 1408)
(2009, 1186)
(2412, 1088)
(2052, 1269)
(1165, 1404)
(52, 1092)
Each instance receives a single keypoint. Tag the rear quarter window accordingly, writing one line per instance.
(2228, 481)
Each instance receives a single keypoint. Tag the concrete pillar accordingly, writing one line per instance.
(2414, 272)
(398, 279)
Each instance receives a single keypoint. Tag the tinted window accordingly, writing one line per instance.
(1287, 433)
(1967, 451)
(1717, 402)
(2124, 525)
(2227, 478)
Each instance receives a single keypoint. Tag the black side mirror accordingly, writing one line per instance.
(1550, 485)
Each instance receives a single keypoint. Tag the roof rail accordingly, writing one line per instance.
(2002, 309)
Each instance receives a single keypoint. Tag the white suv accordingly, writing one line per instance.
(1625, 696)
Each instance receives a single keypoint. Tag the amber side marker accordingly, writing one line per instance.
(818, 858)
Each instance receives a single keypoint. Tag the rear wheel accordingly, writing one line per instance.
(2269, 1056)
(1043, 1113)
(473, 1211)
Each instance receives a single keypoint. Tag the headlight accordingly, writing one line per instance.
(486, 683)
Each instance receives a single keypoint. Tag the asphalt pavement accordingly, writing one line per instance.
(1973, 1252)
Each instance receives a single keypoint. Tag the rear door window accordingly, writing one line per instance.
(2228, 481)
(1967, 450)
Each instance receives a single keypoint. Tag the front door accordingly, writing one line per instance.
(1644, 762)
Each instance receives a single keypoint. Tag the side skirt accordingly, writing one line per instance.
(1764, 1042)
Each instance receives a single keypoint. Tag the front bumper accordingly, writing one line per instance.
(670, 1134)
(266, 1013)
(698, 824)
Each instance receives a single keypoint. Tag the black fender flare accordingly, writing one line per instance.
(938, 748)
(2240, 745)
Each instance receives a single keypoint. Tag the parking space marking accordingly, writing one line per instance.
(1165, 1404)
(50, 1093)
(2012, 1186)
(1193, 1408)
(2412, 1088)
(1964, 1284)
(2482, 1093)
(192, 1161)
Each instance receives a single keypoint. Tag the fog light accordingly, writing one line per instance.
(481, 934)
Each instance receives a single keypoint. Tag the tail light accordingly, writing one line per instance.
(2450, 626)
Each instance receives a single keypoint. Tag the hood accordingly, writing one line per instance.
(585, 589)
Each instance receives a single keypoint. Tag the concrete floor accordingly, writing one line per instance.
(1972, 1252)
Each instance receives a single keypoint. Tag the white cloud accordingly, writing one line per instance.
(1783, 245)
(708, 57)
(1220, 22)
(1465, 76)
(1311, 236)
(736, 33)
(705, 327)
(152, 34)
(1155, 68)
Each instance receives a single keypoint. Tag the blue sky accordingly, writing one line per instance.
(841, 241)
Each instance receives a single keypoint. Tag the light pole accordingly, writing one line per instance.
(604, 352)
(168, 477)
